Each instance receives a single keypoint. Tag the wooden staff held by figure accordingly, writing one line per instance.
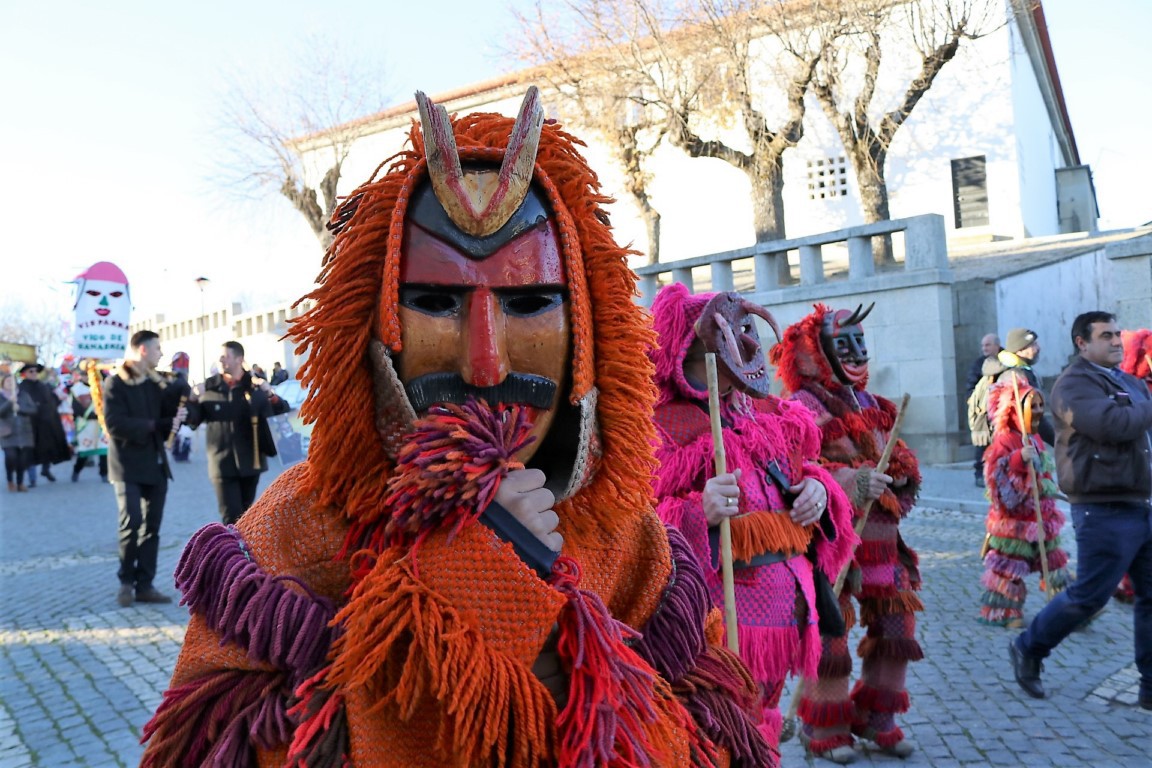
(175, 424)
(1025, 429)
(838, 587)
(255, 432)
(721, 461)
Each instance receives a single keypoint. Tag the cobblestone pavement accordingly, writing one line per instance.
(79, 676)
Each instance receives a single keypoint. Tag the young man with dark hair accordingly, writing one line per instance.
(236, 406)
(139, 406)
(1103, 453)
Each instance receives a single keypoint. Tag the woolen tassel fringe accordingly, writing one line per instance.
(215, 720)
(247, 606)
(1004, 565)
(769, 651)
(321, 739)
(826, 714)
(723, 699)
(404, 642)
(905, 648)
(611, 717)
(762, 532)
(875, 608)
(870, 699)
(816, 746)
(834, 665)
(674, 635)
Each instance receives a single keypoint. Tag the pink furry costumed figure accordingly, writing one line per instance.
(775, 598)
(1012, 548)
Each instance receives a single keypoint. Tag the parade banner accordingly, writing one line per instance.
(102, 310)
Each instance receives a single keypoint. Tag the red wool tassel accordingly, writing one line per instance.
(611, 691)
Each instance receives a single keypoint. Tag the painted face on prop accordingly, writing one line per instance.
(102, 311)
(726, 327)
(842, 339)
(1033, 407)
(483, 291)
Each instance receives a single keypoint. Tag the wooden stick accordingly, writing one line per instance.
(838, 587)
(1024, 430)
(175, 424)
(721, 462)
(255, 432)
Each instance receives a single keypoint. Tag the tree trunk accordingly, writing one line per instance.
(652, 226)
(874, 200)
(766, 174)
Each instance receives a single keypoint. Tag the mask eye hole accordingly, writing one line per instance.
(92, 293)
(531, 304)
(116, 294)
(438, 303)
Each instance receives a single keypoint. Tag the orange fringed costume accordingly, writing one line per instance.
(315, 642)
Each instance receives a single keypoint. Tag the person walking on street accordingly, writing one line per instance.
(139, 407)
(182, 444)
(16, 437)
(236, 407)
(279, 375)
(989, 348)
(50, 442)
(1104, 465)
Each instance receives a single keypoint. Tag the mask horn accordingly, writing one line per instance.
(480, 203)
(866, 312)
(755, 309)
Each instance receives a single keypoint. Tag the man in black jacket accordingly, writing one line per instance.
(1104, 464)
(139, 407)
(236, 407)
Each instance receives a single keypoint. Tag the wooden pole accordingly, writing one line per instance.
(1024, 430)
(838, 587)
(721, 462)
(175, 425)
(255, 432)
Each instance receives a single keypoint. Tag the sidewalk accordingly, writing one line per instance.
(79, 676)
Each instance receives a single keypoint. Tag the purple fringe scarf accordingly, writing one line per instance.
(704, 678)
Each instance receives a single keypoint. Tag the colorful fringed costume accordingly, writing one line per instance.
(360, 614)
(1013, 550)
(756, 431)
(884, 576)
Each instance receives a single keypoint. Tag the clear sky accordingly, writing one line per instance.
(108, 111)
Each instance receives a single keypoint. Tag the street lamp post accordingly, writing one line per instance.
(200, 283)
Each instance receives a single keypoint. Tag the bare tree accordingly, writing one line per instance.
(860, 35)
(39, 326)
(697, 71)
(292, 130)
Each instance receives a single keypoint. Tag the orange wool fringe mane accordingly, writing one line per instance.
(356, 302)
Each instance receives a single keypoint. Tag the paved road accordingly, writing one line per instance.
(79, 676)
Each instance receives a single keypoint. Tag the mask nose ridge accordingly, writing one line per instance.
(485, 359)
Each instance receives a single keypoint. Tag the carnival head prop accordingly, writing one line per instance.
(825, 347)
(1002, 406)
(842, 338)
(102, 310)
(479, 264)
(721, 323)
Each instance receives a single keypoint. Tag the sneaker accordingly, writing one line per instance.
(124, 597)
(151, 595)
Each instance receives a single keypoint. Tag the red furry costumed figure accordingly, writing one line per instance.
(1138, 362)
(468, 570)
(823, 362)
(775, 524)
(1013, 550)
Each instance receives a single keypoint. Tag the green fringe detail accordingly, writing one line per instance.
(997, 600)
(1021, 548)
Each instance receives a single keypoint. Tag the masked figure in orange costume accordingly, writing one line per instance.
(467, 570)
(823, 361)
(1138, 362)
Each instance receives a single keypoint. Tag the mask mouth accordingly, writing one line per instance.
(516, 389)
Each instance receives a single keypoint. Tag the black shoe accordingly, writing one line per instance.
(124, 596)
(1027, 669)
(48, 475)
(75, 476)
(979, 482)
(151, 595)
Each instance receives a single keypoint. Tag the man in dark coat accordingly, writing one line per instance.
(139, 406)
(236, 407)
